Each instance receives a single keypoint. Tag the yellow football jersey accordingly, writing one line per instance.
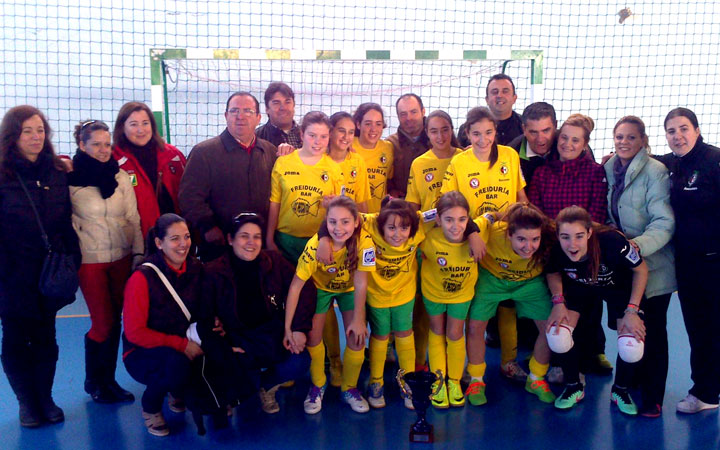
(448, 273)
(486, 189)
(335, 277)
(300, 189)
(500, 259)
(379, 163)
(355, 184)
(426, 178)
(393, 282)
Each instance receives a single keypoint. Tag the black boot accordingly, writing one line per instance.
(44, 375)
(21, 383)
(111, 350)
(96, 383)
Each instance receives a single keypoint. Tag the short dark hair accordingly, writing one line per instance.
(275, 87)
(499, 76)
(160, 230)
(244, 218)
(537, 111)
(402, 209)
(246, 94)
(409, 95)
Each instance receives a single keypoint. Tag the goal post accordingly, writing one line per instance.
(190, 86)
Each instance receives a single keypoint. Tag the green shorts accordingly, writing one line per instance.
(290, 246)
(395, 318)
(532, 297)
(345, 300)
(455, 310)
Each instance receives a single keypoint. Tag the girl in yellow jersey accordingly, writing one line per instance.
(300, 183)
(355, 186)
(354, 169)
(489, 177)
(378, 153)
(427, 170)
(345, 280)
(391, 290)
(517, 248)
(448, 277)
(424, 183)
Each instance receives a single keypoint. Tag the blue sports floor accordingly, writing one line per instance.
(511, 419)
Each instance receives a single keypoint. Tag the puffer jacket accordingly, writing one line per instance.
(647, 218)
(108, 229)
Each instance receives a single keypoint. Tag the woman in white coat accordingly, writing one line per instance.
(106, 220)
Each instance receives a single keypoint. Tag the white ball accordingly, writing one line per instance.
(561, 342)
(630, 349)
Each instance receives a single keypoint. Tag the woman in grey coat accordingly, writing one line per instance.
(639, 206)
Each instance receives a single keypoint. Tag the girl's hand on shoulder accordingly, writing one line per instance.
(324, 252)
(477, 247)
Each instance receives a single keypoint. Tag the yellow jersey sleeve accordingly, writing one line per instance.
(448, 273)
(355, 178)
(366, 253)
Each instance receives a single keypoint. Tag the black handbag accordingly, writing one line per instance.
(59, 276)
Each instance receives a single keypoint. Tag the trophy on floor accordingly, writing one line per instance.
(420, 390)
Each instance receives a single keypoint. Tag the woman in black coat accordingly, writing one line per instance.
(29, 348)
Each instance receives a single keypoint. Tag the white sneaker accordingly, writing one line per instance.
(692, 405)
(356, 401)
(267, 400)
(313, 401)
(513, 371)
(376, 399)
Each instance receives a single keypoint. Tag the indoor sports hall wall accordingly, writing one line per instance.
(80, 59)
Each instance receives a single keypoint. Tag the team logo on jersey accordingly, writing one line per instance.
(504, 169)
(332, 269)
(353, 173)
(383, 159)
(603, 268)
(633, 256)
(302, 207)
(572, 276)
(442, 262)
(133, 179)
(368, 257)
(692, 181)
(474, 183)
(429, 177)
(324, 176)
(172, 169)
(504, 265)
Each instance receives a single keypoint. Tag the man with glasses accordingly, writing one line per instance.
(227, 174)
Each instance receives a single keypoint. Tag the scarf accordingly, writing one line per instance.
(88, 171)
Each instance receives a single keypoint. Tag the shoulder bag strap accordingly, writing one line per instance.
(169, 287)
(37, 216)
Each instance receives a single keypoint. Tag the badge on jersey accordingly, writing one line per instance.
(133, 179)
(442, 262)
(324, 177)
(474, 183)
(353, 173)
(691, 181)
(632, 255)
(504, 169)
(383, 159)
(429, 215)
(368, 257)
(332, 269)
(429, 177)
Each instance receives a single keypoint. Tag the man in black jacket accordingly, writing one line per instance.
(537, 142)
(227, 174)
(500, 97)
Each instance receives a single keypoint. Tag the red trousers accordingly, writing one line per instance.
(102, 285)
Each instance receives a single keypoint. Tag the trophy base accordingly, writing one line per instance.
(425, 435)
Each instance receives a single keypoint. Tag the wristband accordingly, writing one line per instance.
(634, 306)
(558, 299)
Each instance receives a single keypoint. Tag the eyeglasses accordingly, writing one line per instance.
(248, 112)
